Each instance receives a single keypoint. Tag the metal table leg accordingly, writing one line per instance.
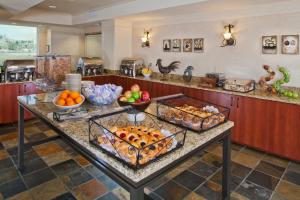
(21, 138)
(137, 194)
(226, 168)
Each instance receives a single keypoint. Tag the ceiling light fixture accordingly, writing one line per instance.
(52, 6)
(228, 37)
(146, 38)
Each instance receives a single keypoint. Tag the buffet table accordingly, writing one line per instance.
(76, 133)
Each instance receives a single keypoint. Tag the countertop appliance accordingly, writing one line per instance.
(131, 66)
(90, 66)
(220, 78)
(19, 70)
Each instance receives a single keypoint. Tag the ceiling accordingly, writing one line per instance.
(80, 12)
(74, 7)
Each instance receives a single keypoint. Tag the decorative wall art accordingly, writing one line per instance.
(176, 45)
(198, 45)
(290, 44)
(187, 45)
(167, 45)
(269, 44)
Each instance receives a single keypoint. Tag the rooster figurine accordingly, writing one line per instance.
(167, 69)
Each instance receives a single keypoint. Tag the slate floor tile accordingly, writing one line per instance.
(14, 151)
(81, 160)
(210, 190)
(47, 149)
(239, 170)
(65, 196)
(33, 165)
(253, 191)
(1, 146)
(108, 182)
(29, 155)
(292, 177)
(108, 196)
(94, 171)
(38, 177)
(65, 167)
(253, 152)
(294, 167)
(12, 188)
(203, 169)
(90, 190)
(8, 174)
(234, 180)
(56, 158)
(48, 190)
(47, 132)
(237, 196)
(270, 169)
(276, 161)
(189, 180)
(121, 193)
(263, 180)
(76, 178)
(22, 196)
(36, 137)
(212, 159)
(6, 163)
(157, 183)
(172, 190)
(3, 154)
(246, 159)
(236, 147)
(8, 136)
(288, 190)
(276, 196)
(193, 196)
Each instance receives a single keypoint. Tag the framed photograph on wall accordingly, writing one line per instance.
(198, 45)
(167, 45)
(269, 44)
(176, 45)
(290, 44)
(187, 45)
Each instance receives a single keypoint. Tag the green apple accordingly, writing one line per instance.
(136, 95)
(131, 100)
(295, 95)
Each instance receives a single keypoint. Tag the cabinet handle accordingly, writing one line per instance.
(19, 89)
(25, 88)
(231, 103)
(237, 102)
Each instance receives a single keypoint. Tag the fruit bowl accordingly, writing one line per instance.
(138, 106)
(54, 101)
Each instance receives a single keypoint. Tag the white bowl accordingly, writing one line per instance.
(147, 75)
(67, 107)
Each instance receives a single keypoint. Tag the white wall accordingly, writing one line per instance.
(245, 60)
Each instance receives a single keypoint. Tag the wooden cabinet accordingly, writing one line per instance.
(9, 103)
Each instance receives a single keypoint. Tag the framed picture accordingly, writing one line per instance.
(167, 45)
(187, 45)
(290, 44)
(269, 44)
(176, 45)
(198, 45)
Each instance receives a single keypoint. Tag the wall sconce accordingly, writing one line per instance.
(146, 38)
(228, 37)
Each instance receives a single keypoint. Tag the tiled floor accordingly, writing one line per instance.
(55, 171)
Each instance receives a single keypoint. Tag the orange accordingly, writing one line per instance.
(70, 103)
(69, 99)
(61, 102)
(78, 100)
(74, 95)
(63, 95)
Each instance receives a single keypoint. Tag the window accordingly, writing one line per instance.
(17, 42)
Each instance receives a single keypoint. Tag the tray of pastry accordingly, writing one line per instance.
(135, 138)
(191, 113)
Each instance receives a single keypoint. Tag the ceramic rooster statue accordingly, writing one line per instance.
(166, 69)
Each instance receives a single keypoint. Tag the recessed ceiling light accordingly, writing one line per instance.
(52, 6)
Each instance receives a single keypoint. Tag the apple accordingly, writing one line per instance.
(145, 95)
(136, 95)
(135, 88)
(128, 94)
(138, 101)
(131, 100)
(124, 99)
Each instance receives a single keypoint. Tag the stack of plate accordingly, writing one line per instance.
(73, 82)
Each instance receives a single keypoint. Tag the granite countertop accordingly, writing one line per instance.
(77, 129)
(21, 82)
(257, 93)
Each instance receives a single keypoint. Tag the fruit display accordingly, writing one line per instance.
(102, 94)
(68, 99)
(135, 95)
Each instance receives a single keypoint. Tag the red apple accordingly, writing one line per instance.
(135, 88)
(145, 95)
(138, 101)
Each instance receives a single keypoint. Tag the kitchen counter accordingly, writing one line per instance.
(257, 93)
(77, 130)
